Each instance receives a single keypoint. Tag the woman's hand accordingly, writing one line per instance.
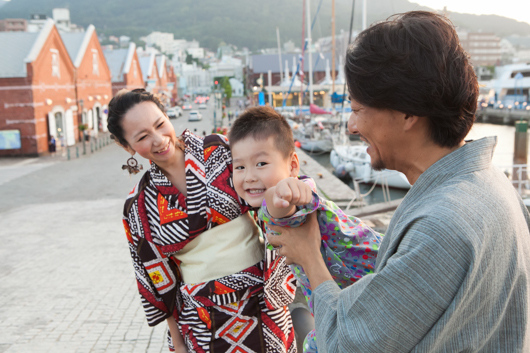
(301, 246)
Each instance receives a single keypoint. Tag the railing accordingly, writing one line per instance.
(518, 175)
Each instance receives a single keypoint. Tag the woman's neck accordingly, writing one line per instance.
(175, 171)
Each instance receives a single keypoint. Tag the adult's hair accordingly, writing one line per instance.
(261, 123)
(122, 102)
(414, 63)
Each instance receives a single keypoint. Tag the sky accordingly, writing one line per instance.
(516, 9)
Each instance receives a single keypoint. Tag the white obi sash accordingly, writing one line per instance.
(221, 251)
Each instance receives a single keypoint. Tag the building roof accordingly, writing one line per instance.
(146, 64)
(160, 62)
(264, 62)
(21, 48)
(116, 59)
(76, 43)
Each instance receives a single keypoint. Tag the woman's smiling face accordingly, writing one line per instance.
(149, 132)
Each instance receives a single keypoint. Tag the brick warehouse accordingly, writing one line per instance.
(92, 79)
(150, 73)
(125, 68)
(37, 90)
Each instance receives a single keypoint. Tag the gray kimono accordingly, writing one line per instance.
(452, 274)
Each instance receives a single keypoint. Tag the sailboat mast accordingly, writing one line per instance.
(279, 53)
(333, 49)
(364, 15)
(301, 98)
(309, 54)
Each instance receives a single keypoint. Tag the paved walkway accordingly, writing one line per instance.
(66, 279)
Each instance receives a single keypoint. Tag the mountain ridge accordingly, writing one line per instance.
(238, 22)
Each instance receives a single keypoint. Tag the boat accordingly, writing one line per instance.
(355, 161)
(316, 135)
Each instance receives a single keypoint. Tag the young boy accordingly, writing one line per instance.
(265, 174)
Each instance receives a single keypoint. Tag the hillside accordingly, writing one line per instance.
(240, 22)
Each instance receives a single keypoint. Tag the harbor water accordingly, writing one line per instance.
(502, 158)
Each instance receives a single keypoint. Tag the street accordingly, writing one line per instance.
(66, 280)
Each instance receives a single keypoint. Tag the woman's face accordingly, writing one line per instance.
(150, 133)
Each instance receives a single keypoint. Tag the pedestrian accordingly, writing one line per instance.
(452, 273)
(196, 252)
(52, 145)
(203, 133)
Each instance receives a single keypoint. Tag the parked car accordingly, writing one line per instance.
(174, 112)
(186, 106)
(194, 116)
(202, 106)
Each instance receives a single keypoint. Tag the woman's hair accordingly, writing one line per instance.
(414, 63)
(122, 102)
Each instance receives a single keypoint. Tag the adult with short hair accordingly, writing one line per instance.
(452, 274)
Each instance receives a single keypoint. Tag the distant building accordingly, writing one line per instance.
(13, 25)
(37, 90)
(483, 48)
(228, 66)
(261, 64)
(151, 74)
(194, 79)
(237, 88)
(125, 68)
(36, 22)
(93, 78)
(61, 18)
(179, 48)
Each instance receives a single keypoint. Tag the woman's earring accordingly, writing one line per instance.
(132, 166)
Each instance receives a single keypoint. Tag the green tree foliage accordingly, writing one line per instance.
(225, 84)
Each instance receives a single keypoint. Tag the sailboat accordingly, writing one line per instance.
(353, 160)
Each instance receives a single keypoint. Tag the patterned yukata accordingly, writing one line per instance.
(243, 312)
(349, 247)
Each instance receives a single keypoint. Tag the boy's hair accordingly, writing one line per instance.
(261, 123)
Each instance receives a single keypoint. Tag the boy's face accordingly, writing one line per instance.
(259, 165)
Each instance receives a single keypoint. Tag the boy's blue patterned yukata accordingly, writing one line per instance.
(349, 247)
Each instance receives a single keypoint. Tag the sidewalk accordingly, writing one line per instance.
(66, 278)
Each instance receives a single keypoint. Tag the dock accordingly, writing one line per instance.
(332, 188)
(502, 116)
(328, 185)
(377, 208)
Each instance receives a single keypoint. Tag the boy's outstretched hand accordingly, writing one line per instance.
(283, 198)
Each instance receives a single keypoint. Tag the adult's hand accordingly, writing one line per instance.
(301, 246)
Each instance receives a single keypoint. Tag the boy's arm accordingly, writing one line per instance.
(275, 211)
(282, 199)
(298, 214)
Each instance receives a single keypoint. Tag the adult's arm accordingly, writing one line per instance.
(394, 308)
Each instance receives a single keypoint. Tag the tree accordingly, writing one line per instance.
(225, 84)
(189, 58)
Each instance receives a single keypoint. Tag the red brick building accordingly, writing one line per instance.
(150, 73)
(172, 84)
(93, 78)
(164, 91)
(124, 68)
(37, 90)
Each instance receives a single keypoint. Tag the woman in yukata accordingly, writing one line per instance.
(196, 252)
